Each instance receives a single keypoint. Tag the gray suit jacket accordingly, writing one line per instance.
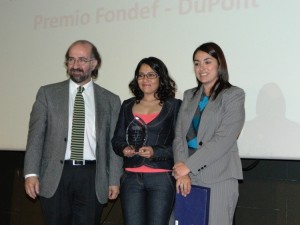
(48, 132)
(217, 157)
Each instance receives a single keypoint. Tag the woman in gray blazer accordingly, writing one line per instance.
(209, 123)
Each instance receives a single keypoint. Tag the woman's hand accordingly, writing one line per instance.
(183, 185)
(180, 169)
(128, 152)
(146, 152)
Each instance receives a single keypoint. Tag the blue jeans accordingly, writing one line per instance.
(147, 198)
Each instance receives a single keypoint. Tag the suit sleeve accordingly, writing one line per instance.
(116, 162)
(225, 135)
(36, 134)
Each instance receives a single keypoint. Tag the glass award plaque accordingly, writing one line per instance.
(136, 133)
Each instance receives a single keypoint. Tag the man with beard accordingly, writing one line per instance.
(72, 188)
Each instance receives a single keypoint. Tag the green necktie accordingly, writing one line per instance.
(77, 139)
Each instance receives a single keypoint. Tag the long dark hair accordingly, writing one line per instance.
(94, 54)
(223, 77)
(167, 86)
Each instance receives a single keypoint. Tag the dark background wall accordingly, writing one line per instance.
(269, 194)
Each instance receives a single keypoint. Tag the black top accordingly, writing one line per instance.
(161, 132)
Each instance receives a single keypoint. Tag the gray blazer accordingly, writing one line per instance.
(48, 132)
(217, 157)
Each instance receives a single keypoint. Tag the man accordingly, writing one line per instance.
(72, 187)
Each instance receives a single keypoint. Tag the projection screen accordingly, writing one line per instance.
(260, 39)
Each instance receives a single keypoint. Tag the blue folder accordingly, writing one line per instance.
(194, 208)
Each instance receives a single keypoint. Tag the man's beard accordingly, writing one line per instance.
(78, 75)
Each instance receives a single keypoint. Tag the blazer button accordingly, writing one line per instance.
(62, 161)
(65, 139)
(200, 143)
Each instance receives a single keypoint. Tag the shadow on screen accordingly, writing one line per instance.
(270, 134)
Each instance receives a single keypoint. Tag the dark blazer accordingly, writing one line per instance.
(48, 132)
(160, 135)
(217, 157)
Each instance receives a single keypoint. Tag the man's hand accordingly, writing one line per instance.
(32, 186)
(113, 192)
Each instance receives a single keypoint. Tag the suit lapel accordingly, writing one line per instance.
(209, 116)
(190, 109)
(62, 96)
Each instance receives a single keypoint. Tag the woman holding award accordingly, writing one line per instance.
(209, 123)
(143, 137)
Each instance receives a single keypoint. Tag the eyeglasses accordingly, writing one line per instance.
(80, 61)
(150, 75)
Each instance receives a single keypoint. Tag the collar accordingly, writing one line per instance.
(73, 86)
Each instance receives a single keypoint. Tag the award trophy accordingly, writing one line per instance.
(136, 133)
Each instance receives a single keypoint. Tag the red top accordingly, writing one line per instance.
(145, 169)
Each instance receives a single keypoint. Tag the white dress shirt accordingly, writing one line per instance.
(90, 130)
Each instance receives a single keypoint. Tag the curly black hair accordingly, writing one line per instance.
(167, 86)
